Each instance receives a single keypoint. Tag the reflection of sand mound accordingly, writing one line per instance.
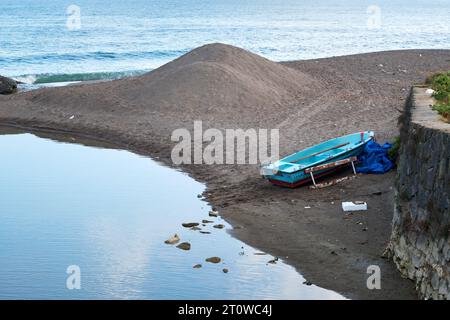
(218, 75)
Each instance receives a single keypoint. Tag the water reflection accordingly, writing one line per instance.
(109, 212)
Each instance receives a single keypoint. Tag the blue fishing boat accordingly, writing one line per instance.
(296, 169)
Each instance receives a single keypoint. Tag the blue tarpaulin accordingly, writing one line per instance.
(374, 158)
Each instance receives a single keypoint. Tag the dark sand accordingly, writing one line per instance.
(309, 101)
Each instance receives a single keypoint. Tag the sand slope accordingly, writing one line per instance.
(216, 80)
(220, 77)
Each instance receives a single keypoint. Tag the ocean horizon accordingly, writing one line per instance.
(64, 41)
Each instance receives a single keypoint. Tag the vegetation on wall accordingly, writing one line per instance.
(393, 152)
(440, 83)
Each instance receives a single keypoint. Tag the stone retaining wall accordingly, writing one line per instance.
(420, 244)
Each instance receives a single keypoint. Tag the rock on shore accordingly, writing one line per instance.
(7, 85)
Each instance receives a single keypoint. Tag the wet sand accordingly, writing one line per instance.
(308, 101)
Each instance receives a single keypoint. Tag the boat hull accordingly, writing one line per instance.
(296, 178)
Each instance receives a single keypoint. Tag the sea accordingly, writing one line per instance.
(60, 41)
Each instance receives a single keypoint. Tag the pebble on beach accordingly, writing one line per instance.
(173, 240)
(213, 214)
(213, 260)
(190, 224)
(184, 246)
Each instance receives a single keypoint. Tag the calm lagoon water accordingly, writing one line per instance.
(119, 37)
(109, 212)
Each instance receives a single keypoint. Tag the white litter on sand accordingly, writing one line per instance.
(354, 206)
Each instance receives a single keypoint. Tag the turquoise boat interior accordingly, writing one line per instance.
(290, 169)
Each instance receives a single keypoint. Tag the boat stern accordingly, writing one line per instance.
(283, 174)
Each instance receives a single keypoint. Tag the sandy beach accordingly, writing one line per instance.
(308, 101)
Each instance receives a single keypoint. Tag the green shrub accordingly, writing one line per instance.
(440, 83)
(442, 108)
(439, 80)
(393, 151)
